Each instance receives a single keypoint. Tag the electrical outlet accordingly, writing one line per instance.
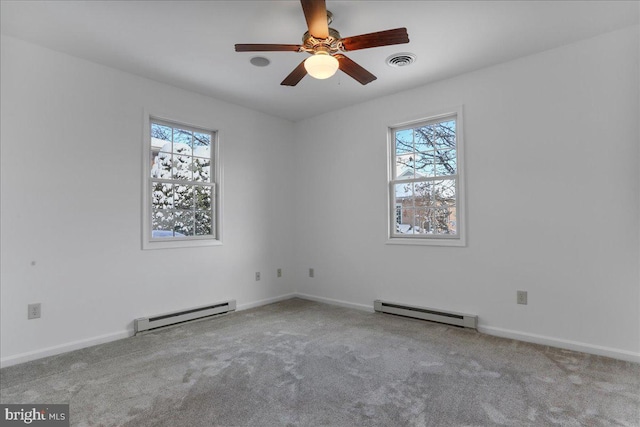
(311, 272)
(257, 276)
(522, 297)
(279, 273)
(33, 311)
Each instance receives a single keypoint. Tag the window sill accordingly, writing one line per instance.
(176, 244)
(425, 242)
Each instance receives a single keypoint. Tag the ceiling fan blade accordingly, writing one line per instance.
(267, 48)
(315, 12)
(354, 70)
(380, 38)
(296, 75)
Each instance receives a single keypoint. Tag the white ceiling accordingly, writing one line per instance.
(190, 44)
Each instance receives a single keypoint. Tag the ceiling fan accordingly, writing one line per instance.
(325, 45)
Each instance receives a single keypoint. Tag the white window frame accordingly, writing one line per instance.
(458, 239)
(216, 177)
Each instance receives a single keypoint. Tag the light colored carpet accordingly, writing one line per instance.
(301, 363)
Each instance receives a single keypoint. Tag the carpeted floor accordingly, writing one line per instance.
(301, 363)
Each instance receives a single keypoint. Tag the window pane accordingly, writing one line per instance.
(425, 165)
(165, 147)
(162, 196)
(451, 220)
(424, 138)
(182, 167)
(182, 148)
(201, 169)
(444, 192)
(162, 224)
(184, 223)
(161, 167)
(406, 226)
(404, 193)
(183, 196)
(201, 141)
(202, 151)
(182, 136)
(446, 162)
(423, 193)
(160, 132)
(405, 166)
(204, 223)
(441, 221)
(421, 221)
(203, 198)
(445, 135)
(160, 142)
(404, 141)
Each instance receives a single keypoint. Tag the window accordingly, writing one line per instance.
(425, 183)
(181, 200)
(398, 213)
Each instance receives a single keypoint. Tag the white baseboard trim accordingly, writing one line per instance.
(63, 348)
(262, 302)
(559, 343)
(490, 330)
(340, 303)
(506, 333)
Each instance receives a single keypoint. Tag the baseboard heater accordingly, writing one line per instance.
(145, 324)
(449, 317)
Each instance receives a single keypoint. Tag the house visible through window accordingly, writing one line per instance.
(425, 185)
(181, 183)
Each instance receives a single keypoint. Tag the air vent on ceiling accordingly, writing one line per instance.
(401, 59)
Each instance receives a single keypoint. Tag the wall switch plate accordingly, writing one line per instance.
(34, 311)
(522, 297)
(311, 272)
(279, 273)
(257, 276)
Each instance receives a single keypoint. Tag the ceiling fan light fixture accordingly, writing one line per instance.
(321, 65)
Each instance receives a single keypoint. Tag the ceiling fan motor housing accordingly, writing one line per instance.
(331, 44)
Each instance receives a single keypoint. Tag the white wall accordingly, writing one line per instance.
(71, 188)
(552, 200)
